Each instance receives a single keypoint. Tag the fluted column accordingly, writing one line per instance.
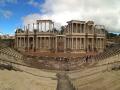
(38, 27)
(24, 43)
(17, 41)
(41, 26)
(20, 42)
(56, 44)
(49, 43)
(28, 43)
(64, 44)
(49, 27)
(84, 43)
(76, 43)
(36, 42)
(33, 43)
(45, 26)
(92, 44)
(72, 27)
(40, 43)
(76, 28)
(72, 42)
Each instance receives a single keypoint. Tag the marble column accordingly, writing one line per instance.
(49, 43)
(49, 27)
(36, 42)
(64, 44)
(76, 28)
(84, 43)
(41, 26)
(40, 42)
(45, 26)
(33, 43)
(17, 42)
(28, 43)
(24, 43)
(56, 44)
(72, 42)
(80, 43)
(38, 27)
(20, 42)
(76, 43)
(72, 27)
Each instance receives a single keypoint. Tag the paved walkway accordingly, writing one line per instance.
(63, 82)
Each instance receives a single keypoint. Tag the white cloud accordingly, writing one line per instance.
(105, 12)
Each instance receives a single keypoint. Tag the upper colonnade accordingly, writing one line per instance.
(78, 27)
(39, 26)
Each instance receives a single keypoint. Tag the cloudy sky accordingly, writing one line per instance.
(16, 13)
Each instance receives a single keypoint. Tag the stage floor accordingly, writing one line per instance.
(58, 54)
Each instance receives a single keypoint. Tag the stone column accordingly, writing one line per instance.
(16, 42)
(56, 44)
(49, 27)
(24, 43)
(33, 43)
(72, 27)
(45, 26)
(28, 43)
(49, 43)
(80, 28)
(80, 43)
(65, 44)
(97, 43)
(84, 43)
(100, 43)
(72, 42)
(41, 26)
(76, 28)
(69, 29)
(84, 30)
(69, 42)
(40, 43)
(38, 27)
(92, 44)
(36, 42)
(76, 43)
(20, 42)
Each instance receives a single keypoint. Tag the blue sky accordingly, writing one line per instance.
(11, 13)
(16, 13)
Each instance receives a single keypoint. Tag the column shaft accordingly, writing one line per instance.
(72, 42)
(76, 43)
(24, 43)
(56, 44)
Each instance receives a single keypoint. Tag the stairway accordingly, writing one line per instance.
(63, 82)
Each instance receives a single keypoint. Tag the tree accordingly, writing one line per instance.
(62, 29)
